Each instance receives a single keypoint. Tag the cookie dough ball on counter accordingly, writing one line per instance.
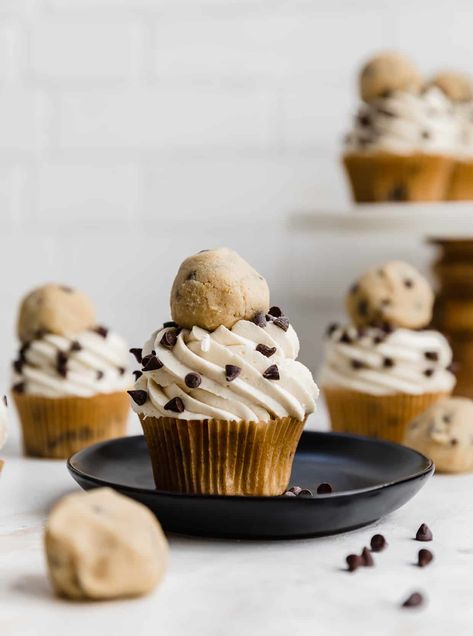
(57, 309)
(386, 73)
(217, 287)
(393, 294)
(445, 434)
(102, 545)
(457, 86)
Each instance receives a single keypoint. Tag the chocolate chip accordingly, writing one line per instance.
(61, 363)
(362, 308)
(424, 533)
(289, 493)
(137, 374)
(398, 193)
(324, 489)
(366, 557)
(169, 339)
(271, 373)
(231, 372)
(101, 331)
(414, 600)
(5, 401)
(75, 346)
(388, 363)
(379, 339)
(378, 543)
(364, 120)
(305, 492)
(425, 134)
(431, 355)
(170, 323)
(275, 311)
(192, 275)
(409, 283)
(193, 380)
(331, 329)
(147, 358)
(345, 338)
(295, 490)
(153, 363)
(99, 375)
(40, 333)
(282, 323)
(429, 373)
(176, 405)
(138, 396)
(424, 557)
(121, 370)
(19, 387)
(386, 94)
(266, 351)
(18, 365)
(23, 349)
(447, 419)
(354, 561)
(138, 353)
(259, 319)
(67, 289)
(357, 364)
(453, 441)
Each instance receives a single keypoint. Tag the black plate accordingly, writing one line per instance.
(370, 478)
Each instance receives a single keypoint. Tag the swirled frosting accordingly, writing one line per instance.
(248, 372)
(372, 361)
(404, 123)
(83, 365)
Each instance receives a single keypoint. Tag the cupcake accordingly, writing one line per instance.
(70, 377)
(403, 138)
(3, 424)
(220, 395)
(385, 368)
(458, 88)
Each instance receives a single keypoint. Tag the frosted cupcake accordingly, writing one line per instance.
(403, 139)
(220, 395)
(70, 377)
(384, 369)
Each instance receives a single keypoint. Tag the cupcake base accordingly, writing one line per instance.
(58, 427)
(380, 416)
(461, 182)
(381, 176)
(217, 457)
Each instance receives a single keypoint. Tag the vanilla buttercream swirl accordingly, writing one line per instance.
(379, 363)
(263, 386)
(82, 365)
(405, 123)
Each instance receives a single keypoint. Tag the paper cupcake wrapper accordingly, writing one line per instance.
(222, 458)
(461, 182)
(378, 177)
(59, 427)
(380, 416)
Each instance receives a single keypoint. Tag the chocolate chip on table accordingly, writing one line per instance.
(324, 489)
(424, 558)
(170, 323)
(169, 339)
(101, 331)
(176, 405)
(259, 319)
(138, 396)
(137, 374)
(354, 561)
(282, 323)
(231, 372)
(75, 346)
(271, 373)
(378, 543)
(388, 363)
(367, 559)
(138, 353)
(266, 351)
(275, 311)
(153, 363)
(297, 491)
(19, 387)
(431, 355)
(429, 373)
(193, 380)
(424, 533)
(414, 600)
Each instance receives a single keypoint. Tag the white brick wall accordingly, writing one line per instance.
(135, 131)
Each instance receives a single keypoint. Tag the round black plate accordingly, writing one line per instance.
(370, 479)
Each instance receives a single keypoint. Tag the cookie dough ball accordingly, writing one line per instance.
(386, 73)
(445, 434)
(56, 309)
(101, 545)
(395, 294)
(217, 287)
(457, 86)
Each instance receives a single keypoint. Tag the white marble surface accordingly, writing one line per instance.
(234, 588)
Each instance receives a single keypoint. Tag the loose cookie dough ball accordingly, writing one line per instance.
(457, 86)
(56, 309)
(445, 434)
(101, 545)
(386, 73)
(217, 287)
(395, 294)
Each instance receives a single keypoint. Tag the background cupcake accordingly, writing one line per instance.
(220, 395)
(403, 138)
(70, 378)
(384, 369)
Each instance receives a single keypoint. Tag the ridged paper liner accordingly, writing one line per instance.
(461, 182)
(381, 176)
(220, 457)
(380, 416)
(59, 427)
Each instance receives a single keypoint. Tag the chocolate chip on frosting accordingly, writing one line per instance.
(275, 311)
(332, 328)
(231, 372)
(101, 331)
(138, 396)
(271, 373)
(75, 346)
(19, 387)
(153, 363)
(431, 355)
(170, 323)
(147, 358)
(61, 363)
(282, 322)
(99, 375)
(169, 339)
(266, 351)
(357, 364)
(193, 380)
(176, 405)
(137, 374)
(388, 363)
(18, 365)
(138, 353)
(259, 319)
(429, 373)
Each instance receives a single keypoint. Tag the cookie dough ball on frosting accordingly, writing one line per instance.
(386, 73)
(217, 287)
(101, 545)
(395, 294)
(445, 434)
(457, 86)
(57, 309)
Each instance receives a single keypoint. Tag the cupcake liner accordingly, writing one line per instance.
(461, 182)
(380, 416)
(382, 176)
(59, 427)
(222, 458)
